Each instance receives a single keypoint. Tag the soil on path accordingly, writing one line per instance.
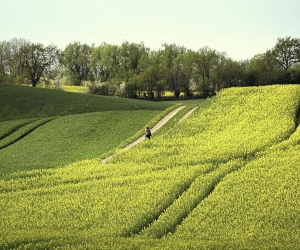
(155, 128)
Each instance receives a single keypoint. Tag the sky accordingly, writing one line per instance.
(241, 28)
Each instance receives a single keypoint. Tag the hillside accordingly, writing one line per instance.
(225, 178)
(76, 127)
(22, 102)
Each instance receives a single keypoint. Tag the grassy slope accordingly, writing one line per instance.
(72, 138)
(239, 213)
(98, 125)
(19, 102)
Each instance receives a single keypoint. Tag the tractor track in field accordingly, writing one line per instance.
(157, 126)
(26, 132)
(3, 136)
(174, 213)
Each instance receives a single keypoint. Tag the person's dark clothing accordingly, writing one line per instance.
(148, 133)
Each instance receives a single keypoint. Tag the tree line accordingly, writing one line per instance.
(134, 70)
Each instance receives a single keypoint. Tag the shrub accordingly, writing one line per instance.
(103, 88)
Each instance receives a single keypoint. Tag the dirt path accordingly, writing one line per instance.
(188, 113)
(155, 128)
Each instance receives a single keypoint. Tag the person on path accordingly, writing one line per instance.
(147, 133)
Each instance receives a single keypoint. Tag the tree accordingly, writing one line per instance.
(150, 80)
(131, 88)
(130, 55)
(294, 73)
(105, 62)
(263, 69)
(189, 64)
(12, 64)
(287, 52)
(173, 62)
(76, 59)
(4, 59)
(170, 52)
(177, 77)
(37, 58)
(206, 62)
(229, 73)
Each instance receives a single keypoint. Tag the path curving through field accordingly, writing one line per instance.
(188, 113)
(157, 126)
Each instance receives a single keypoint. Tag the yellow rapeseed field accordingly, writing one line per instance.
(227, 176)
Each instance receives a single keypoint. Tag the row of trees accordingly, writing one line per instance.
(134, 70)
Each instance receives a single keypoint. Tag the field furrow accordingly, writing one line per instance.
(8, 127)
(199, 189)
(20, 132)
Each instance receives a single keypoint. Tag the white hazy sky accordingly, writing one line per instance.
(241, 28)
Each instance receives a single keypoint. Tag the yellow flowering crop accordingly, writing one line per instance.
(226, 176)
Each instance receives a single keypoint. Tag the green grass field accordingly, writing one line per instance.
(54, 139)
(22, 102)
(227, 177)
